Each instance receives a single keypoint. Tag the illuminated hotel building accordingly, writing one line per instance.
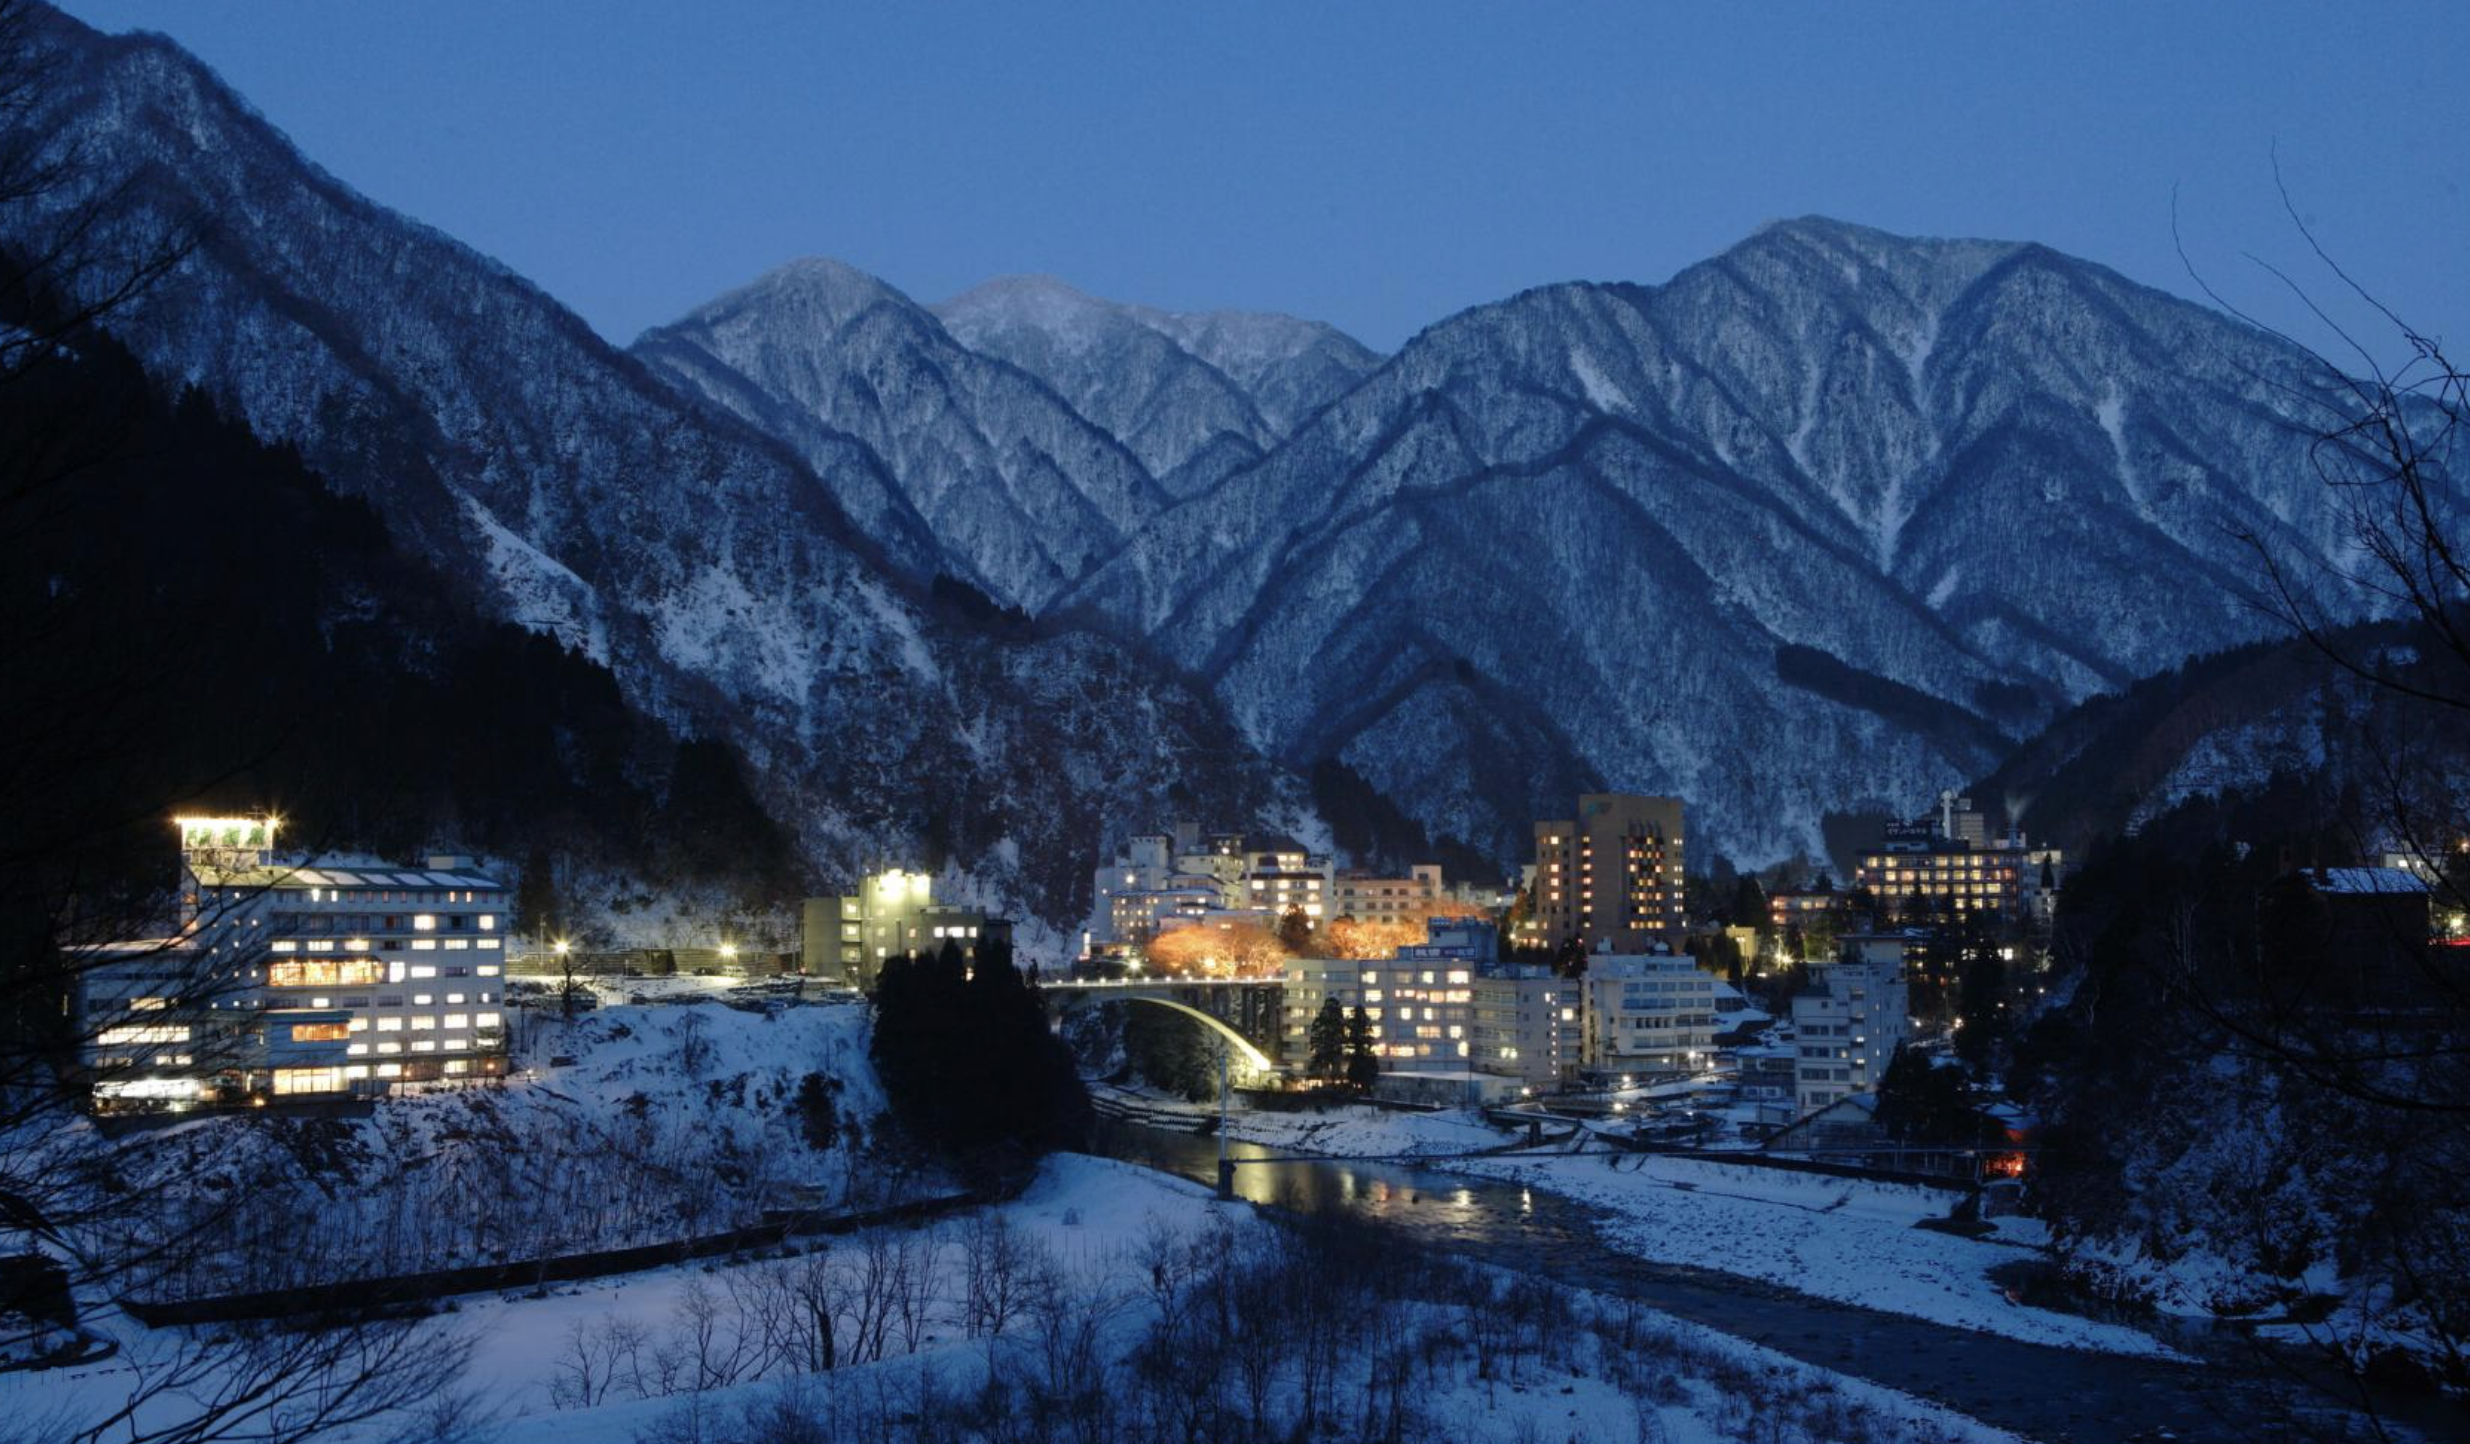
(313, 978)
(892, 913)
(1953, 865)
(1612, 874)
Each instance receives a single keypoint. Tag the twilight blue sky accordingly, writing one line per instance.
(1374, 165)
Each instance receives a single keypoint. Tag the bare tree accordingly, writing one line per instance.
(2386, 1056)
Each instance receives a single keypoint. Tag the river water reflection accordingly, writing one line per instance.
(2041, 1392)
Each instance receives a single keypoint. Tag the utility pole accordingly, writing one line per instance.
(1226, 1165)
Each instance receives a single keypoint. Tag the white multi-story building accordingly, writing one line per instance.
(1283, 879)
(1847, 1026)
(1526, 1024)
(1370, 898)
(1648, 1013)
(892, 914)
(1165, 879)
(1422, 1012)
(303, 978)
(401, 966)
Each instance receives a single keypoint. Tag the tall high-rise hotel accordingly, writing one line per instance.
(1611, 873)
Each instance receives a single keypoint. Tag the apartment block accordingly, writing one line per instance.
(1848, 1024)
(1372, 898)
(1647, 1013)
(1611, 876)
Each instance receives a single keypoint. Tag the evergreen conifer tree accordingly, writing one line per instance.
(1362, 1066)
(1329, 1040)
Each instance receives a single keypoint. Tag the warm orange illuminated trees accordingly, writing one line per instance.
(1236, 950)
(1348, 937)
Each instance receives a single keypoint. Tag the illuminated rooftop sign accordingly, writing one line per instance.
(227, 835)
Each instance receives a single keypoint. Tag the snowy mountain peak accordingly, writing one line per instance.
(1071, 316)
(816, 291)
(1020, 493)
(1195, 395)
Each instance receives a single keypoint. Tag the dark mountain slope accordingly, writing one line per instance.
(709, 568)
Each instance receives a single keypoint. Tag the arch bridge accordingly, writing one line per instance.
(1248, 1013)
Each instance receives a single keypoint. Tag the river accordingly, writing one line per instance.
(2061, 1396)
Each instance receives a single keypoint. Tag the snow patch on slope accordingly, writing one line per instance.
(541, 594)
(1602, 394)
(2112, 414)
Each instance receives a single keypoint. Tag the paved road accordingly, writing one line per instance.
(2059, 1396)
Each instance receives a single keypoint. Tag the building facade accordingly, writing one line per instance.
(1370, 898)
(318, 978)
(1611, 875)
(1170, 879)
(1647, 1013)
(1951, 864)
(891, 914)
(1848, 1025)
(1525, 1024)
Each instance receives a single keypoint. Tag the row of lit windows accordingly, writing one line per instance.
(333, 1080)
(362, 945)
(423, 1023)
(395, 1000)
(381, 894)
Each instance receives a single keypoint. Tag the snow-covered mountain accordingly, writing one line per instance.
(1194, 394)
(1818, 526)
(1020, 493)
(722, 576)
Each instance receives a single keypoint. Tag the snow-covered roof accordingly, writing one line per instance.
(2364, 880)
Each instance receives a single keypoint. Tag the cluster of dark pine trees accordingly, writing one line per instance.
(1342, 1045)
(970, 1064)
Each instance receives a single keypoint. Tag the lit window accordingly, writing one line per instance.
(157, 1033)
(423, 970)
(424, 922)
(390, 1025)
(425, 1023)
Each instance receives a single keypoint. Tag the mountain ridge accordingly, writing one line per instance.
(570, 488)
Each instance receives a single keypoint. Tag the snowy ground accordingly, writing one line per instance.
(1854, 1241)
(1845, 1239)
(1098, 1222)
(664, 1122)
(1363, 1132)
(1094, 1217)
